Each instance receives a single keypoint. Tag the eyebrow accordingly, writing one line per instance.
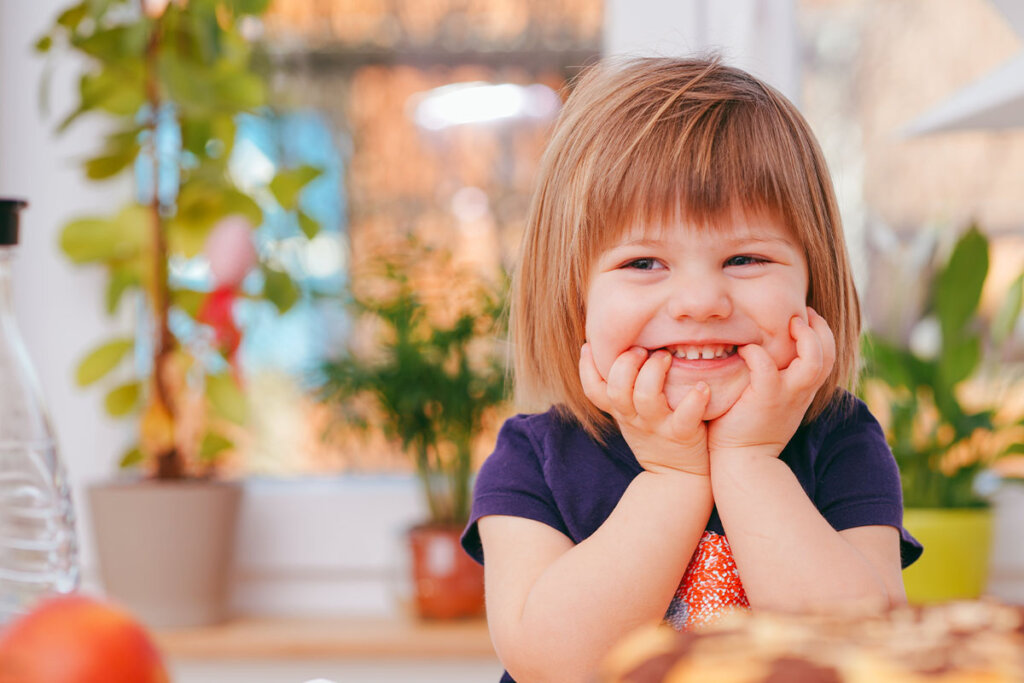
(650, 242)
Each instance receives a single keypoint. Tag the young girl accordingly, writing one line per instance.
(684, 302)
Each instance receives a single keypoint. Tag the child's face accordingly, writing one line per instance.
(701, 292)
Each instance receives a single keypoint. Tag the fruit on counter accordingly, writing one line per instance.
(77, 639)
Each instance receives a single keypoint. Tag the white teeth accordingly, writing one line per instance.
(708, 352)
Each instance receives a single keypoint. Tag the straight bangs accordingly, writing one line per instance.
(648, 144)
(698, 163)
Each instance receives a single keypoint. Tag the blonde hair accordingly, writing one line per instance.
(652, 140)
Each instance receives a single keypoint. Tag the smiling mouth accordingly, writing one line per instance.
(702, 352)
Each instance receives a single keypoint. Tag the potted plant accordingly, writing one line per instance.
(171, 80)
(943, 421)
(429, 374)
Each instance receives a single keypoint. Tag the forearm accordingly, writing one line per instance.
(789, 557)
(622, 576)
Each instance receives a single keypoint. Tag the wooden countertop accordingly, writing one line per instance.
(328, 638)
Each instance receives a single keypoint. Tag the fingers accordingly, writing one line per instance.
(594, 386)
(690, 411)
(622, 378)
(764, 375)
(649, 389)
(815, 349)
(635, 384)
(828, 339)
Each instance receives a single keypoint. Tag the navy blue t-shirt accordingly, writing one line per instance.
(546, 468)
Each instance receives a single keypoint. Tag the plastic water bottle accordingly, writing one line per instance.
(38, 545)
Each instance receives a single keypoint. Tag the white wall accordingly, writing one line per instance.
(59, 308)
(757, 35)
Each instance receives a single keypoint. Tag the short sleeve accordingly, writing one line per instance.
(858, 481)
(511, 482)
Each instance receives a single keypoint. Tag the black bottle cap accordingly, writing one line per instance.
(9, 209)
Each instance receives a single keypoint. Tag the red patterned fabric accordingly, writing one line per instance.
(710, 586)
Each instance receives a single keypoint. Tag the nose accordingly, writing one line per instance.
(698, 296)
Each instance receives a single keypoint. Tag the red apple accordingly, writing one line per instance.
(76, 639)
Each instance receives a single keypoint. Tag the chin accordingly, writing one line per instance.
(715, 410)
(722, 399)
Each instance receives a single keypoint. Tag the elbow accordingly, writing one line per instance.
(862, 596)
(527, 670)
(544, 660)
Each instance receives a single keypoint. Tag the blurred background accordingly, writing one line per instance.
(427, 118)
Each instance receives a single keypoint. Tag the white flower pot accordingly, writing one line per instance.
(1006, 575)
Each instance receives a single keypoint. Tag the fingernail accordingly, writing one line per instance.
(639, 351)
(583, 349)
(702, 387)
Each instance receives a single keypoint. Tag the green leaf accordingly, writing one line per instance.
(241, 91)
(131, 458)
(189, 85)
(1005, 320)
(958, 360)
(227, 399)
(287, 184)
(72, 16)
(279, 289)
(122, 278)
(107, 239)
(200, 205)
(188, 300)
(206, 33)
(309, 225)
(118, 91)
(102, 360)
(958, 285)
(241, 203)
(123, 399)
(44, 44)
(90, 239)
(109, 165)
(120, 46)
(213, 445)
(71, 118)
(888, 363)
(250, 6)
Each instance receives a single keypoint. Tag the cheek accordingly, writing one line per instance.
(780, 344)
(609, 333)
(602, 345)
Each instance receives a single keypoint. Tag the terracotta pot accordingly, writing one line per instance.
(448, 583)
(166, 548)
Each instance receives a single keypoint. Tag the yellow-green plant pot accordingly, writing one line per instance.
(957, 544)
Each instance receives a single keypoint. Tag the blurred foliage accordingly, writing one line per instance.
(170, 79)
(428, 379)
(939, 444)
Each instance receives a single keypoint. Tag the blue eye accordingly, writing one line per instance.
(745, 260)
(646, 263)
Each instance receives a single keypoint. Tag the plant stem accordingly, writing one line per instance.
(169, 462)
(460, 479)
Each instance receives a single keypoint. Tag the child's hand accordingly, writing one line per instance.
(660, 438)
(768, 412)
